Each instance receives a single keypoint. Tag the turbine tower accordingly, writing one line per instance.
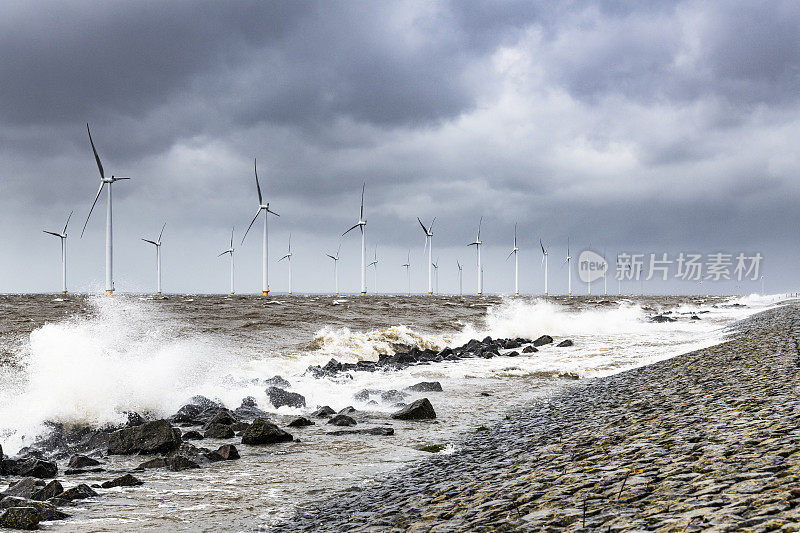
(264, 244)
(544, 262)
(109, 228)
(516, 262)
(460, 279)
(436, 273)
(360, 224)
(429, 246)
(230, 251)
(288, 258)
(63, 237)
(336, 267)
(157, 244)
(407, 266)
(477, 244)
(568, 262)
(374, 265)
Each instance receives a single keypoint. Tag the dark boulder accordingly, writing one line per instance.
(529, 349)
(192, 435)
(418, 410)
(179, 462)
(26, 518)
(75, 471)
(279, 398)
(197, 412)
(149, 438)
(46, 511)
(564, 343)
(342, 420)
(248, 410)
(511, 344)
(222, 416)
(124, 481)
(135, 419)
(30, 466)
(364, 394)
(512, 353)
(380, 431)
(76, 493)
(426, 386)
(349, 410)
(51, 490)
(487, 340)
(277, 381)
(393, 396)
(82, 461)
(228, 452)
(23, 488)
(219, 431)
(662, 318)
(262, 431)
(300, 422)
(694, 317)
(158, 462)
(544, 339)
(241, 426)
(323, 412)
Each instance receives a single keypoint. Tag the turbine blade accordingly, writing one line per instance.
(339, 249)
(271, 211)
(423, 227)
(329, 255)
(92, 208)
(542, 245)
(361, 216)
(151, 242)
(255, 170)
(117, 179)
(51, 233)
(351, 229)
(232, 230)
(480, 223)
(282, 258)
(96, 157)
(515, 234)
(251, 224)
(509, 255)
(223, 253)
(162, 231)
(67, 223)
(431, 226)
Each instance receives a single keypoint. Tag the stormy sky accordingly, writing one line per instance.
(639, 127)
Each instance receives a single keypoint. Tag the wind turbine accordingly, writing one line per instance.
(336, 267)
(288, 257)
(568, 262)
(460, 279)
(407, 266)
(374, 264)
(264, 244)
(157, 244)
(109, 229)
(516, 262)
(544, 262)
(429, 245)
(477, 244)
(360, 224)
(436, 271)
(63, 237)
(230, 251)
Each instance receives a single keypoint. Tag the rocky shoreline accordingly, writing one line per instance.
(709, 440)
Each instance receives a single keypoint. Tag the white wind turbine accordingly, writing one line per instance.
(568, 262)
(63, 237)
(265, 243)
(477, 244)
(544, 262)
(230, 250)
(374, 265)
(436, 273)
(514, 252)
(157, 244)
(407, 266)
(429, 246)
(336, 267)
(109, 228)
(460, 279)
(360, 224)
(288, 258)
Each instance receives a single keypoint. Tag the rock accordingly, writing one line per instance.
(544, 339)
(323, 412)
(662, 318)
(149, 438)
(50, 490)
(222, 416)
(179, 462)
(198, 411)
(228, 452)
(23, 488)
(74, 471)
(124, 481)
(426, 386)
(512, 353)
(82, 461)
(342, 420)
(158, 462)
(192, 435)
(564, 343)
(418, 410)
(363, 395)
(76, 493)
(241, 426)
(262, 431)
(694, 317)
(380, 431)
(46, 511)
(279, 398)
(249, 410)
(349, 410)
(300, 422)
(529, 349)
(219, 431)
(486, 340)
(20, 518)
(135, 419)
(30, 466)
(277, 381)
(393, 396)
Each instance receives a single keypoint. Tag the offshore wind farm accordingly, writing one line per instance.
(564, 298)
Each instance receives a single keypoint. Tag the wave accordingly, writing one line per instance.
(345, 344)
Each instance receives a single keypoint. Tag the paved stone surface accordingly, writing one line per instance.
(706, 441)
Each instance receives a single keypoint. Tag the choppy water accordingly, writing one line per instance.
(79, 359)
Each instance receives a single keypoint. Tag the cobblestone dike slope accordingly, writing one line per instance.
(709, 441)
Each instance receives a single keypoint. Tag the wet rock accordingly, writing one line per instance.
(513, 353)
(158, 462)
(51, 490)
(82, 461)
(75, 471)
(79, 492)
(222, 416)
(300, 422)
(248, 410)
(277, 381)
(393, 396)
(323, 412)
(149, 438)
(364, 394)
(279, 398)
(487, 340)
(179, 462)
(135, 419)
(349, 410)
(342, 420)
(564, 343)
(379, 431)
(228, 452)
(219, 431)
(123, 481)
(529, 349)
(662, 318)
(26, 518)
(241, 426)
(23, 488)
(197, 412)
(694, 317)
(262, 431)
(544, 339)
(426, 386)
(46, 511)
(31, 466)
(192, 435)
(418, 410)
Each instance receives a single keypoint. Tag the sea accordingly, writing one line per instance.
(83, 359)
